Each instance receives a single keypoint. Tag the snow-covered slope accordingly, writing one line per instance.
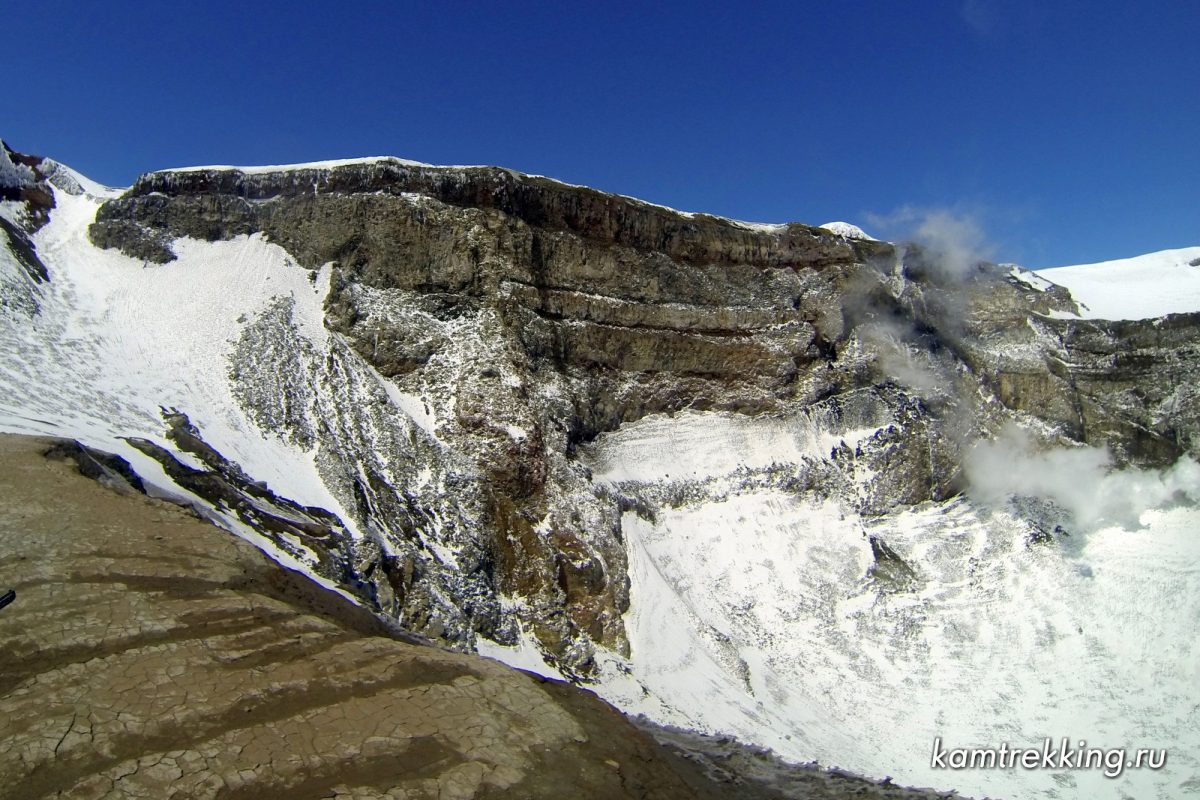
(764, 613)
(1143, 287)
(112, 342)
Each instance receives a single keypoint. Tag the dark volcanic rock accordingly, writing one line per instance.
(20, 246)
(107, 469)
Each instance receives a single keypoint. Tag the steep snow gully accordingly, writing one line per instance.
(769, 595)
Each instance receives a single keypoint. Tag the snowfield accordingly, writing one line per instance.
(754, 612)
(1143, 287)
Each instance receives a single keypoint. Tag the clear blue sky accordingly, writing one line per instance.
(1069, 130)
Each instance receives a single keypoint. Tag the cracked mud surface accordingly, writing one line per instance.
(149, 654)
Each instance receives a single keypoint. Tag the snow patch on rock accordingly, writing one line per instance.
(848, 231)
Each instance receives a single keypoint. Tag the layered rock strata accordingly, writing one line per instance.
(527, 316)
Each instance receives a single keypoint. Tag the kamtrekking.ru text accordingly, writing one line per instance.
(1113, 761)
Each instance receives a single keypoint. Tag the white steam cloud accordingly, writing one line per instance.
(1080, 480)
(897, 358)
(953, 242)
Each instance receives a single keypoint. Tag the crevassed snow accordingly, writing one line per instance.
(698, 445)
(1143, 287)
(753, 614)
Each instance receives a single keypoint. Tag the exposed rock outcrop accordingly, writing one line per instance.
(528, 316)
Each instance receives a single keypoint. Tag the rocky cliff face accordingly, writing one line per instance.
(515, 318)
(683, 458)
